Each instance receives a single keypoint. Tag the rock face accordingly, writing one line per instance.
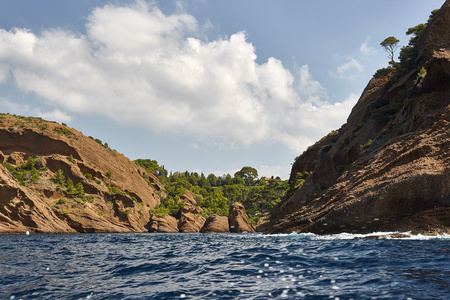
(191, 219)
(216, 224)
(164, 224)
(238, 219)
(100, 191)
(388, 167)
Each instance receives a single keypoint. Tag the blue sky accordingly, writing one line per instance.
(206, 86)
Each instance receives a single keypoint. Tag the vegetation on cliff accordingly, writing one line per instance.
(214, 194)
(387, 168)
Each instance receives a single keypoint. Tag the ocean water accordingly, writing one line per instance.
(222, 266)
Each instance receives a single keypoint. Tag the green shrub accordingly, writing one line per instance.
(60, 201)
(88, 176)
(26, 173)
(64, 131)
(108, 174)
(366, 145)
(59, 178)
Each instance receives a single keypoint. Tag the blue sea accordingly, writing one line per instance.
(223, 266)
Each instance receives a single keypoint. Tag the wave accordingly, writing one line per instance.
(353, 236)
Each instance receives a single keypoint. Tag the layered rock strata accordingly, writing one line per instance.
(388, 167)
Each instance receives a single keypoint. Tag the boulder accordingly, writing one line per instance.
(216, 224)
(191, 219)
(164, 224)
(238, 219)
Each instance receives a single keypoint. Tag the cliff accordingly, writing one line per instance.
(388, 167)
(53, 179)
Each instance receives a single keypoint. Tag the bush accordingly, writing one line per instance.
(26, 173)
(60, 201)
(59, 178)
(366, 145)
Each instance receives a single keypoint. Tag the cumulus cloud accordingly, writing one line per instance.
(348, 70)
(23, 109)
(365, 48)
(138, 66)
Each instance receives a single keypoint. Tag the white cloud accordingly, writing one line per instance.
(348, 70)
(23, 109)
(309, 89)
(139, 66)
(365, 48)
(55, 115)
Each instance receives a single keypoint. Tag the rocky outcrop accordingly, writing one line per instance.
(238, 219)
(216, 224)
(388, 167)
(100, 191)
(191, 219)
(163, 224)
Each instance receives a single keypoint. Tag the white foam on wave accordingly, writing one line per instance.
(351, 236)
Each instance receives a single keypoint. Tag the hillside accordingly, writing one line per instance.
(53, 179)
(388, 167)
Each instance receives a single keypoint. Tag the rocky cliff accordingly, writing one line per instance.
(53, 179)
(388, 167)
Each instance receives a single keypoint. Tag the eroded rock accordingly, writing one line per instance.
(216, 224)
(238, 219)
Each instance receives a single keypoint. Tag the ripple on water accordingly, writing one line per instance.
(228, 266)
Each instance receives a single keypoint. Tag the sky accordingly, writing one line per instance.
(198, 85)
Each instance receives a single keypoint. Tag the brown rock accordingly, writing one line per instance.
(238, 219)
(191, 219)
(385, 174)
(216, 224)
(165, 224)
(118, 197)
(188, 198)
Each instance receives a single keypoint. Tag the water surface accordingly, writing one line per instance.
(222, 266)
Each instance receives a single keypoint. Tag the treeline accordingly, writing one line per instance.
(214, 194)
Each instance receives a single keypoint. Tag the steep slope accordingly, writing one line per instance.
(53, 179)
(388, 167)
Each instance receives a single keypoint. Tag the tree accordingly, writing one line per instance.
(212, 179)
(390, 44)
(248, 174)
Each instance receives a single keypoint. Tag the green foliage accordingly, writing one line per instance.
(422, 73)
(76, 191)
(169, 206)
(71, 159)
(88, 176)
(383, 111)
(151, 166)
(115, 190)
(62, 130)
(383, 72)
(26, 173)
(326, 148)
(366, 145)
(249, 174)
(108, 174)
(214, 194)
(105, 145)
(390, 44)
(408, 54)
(59, 178)
(60, 201)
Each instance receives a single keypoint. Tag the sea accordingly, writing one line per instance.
(223, 266)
